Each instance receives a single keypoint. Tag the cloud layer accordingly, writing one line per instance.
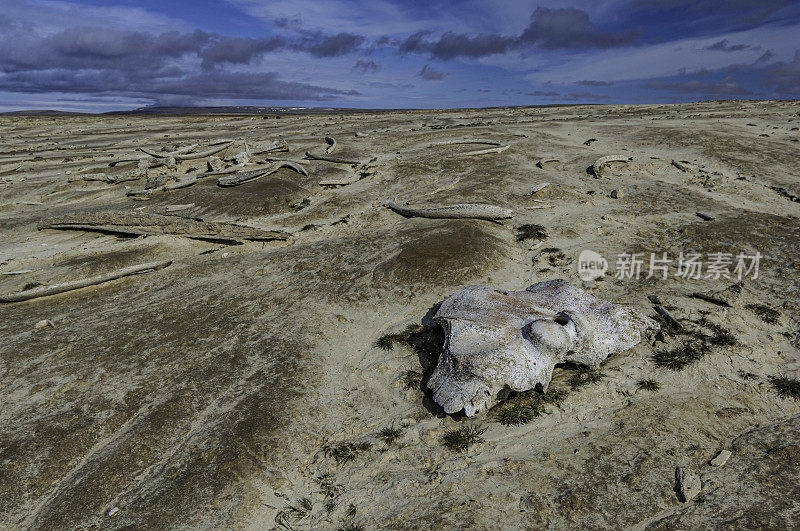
(388, 53)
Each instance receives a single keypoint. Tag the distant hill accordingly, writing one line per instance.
(244, 109)
(42, 112)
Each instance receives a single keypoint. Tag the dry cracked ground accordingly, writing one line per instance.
(280, 383)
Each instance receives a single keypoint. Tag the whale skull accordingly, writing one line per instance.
(497, 338)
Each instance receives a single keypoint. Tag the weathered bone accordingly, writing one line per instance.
(141, 224)
(597, 167)
(44, 291)
(496, 338)
(165, 154)
(190, 156)
(331, 144)
(472, 141)
(245, 177)
(461, 211)
(541, 162)
(311, 156)
(482, 151)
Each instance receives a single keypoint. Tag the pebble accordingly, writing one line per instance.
(44, 323)
(687, 484)
(615, 194)
(721, 458)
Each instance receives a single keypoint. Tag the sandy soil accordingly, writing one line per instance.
(221, 390)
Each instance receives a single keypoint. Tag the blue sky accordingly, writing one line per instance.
(97, 56)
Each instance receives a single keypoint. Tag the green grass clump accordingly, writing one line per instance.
(385, 342)
(345, 452)
(786, 387)
(648, 385)
(531, 232)
(680, 356)
(461, 439)
(585, 376)
(764, 312)
(411, 379)
(389, 435)
(526, 406)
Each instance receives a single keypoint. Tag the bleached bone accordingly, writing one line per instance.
(331, 144)
(246, 177)
(461, 211)
(481, 151)
(683, 166)
(142, 224)
(311, 156)
(165, 154)
(497, 338)
(44, 291)
(542, 162)
(597, 167)
(191, 156)
(10, 168)
(182, 182)
(471, 141)
(539, 188)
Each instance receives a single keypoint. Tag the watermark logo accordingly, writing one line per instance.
(688, 266)
(591, 265)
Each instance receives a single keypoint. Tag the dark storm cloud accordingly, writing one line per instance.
(543, 94)
(741, 11)
(784, 77)
(549, 29)
(137, 64)
(725, 46)
(320, 45)
(570, 28)
(366, 66)
(429, 74)
(160, 86)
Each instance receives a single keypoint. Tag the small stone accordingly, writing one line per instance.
(615, 194)
(215, 163)
(113, 511)
(721, 458)
(687, 484)
(44, 323)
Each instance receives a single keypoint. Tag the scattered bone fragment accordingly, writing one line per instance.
(214, 163)
(19, 272)
(467, 141)
(190, 156)
(460, 211)
(311, 156)
(141, 224)
(541, 162)
(708, 297)
(597, 167)
(687, 484)
(44, 291)
(666, 315)
(177, 208)
(682, 165)
(44, 323)
(482, 151)
(331, 144)
(245, 177)
(721, 458)
(165, 154)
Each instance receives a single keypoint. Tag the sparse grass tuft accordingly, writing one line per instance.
(345, 452)
(294, 513)
(765, 313)
(411, 379)
(526, 406)
(648, 385)
(330, 489)
(462, 438)
(585, 376)
(744, 375)
(389, 435)
(786, 387)
(680, 356)
(385, 342)
(531, 232)
(351, 526)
